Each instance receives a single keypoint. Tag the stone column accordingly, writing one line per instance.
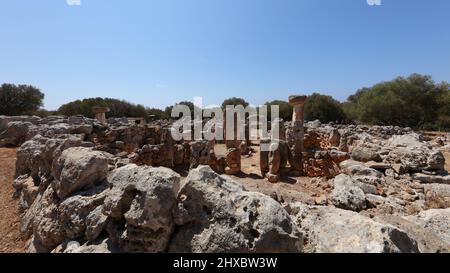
(275, 165)
(273, 162)
(233, 160)
(295, 134)
(264, 157)
(100, 113)
(233, 154)
(298, 102)
(231, 138)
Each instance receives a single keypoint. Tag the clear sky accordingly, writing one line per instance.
(157, 53)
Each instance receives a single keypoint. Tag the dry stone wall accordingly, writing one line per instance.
(85, 186)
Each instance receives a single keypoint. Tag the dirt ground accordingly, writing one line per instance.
(10, 237)
(290, 189)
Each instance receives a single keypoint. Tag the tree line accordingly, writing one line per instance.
(415, 101)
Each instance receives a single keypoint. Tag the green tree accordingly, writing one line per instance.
(443, 112)
(118, 108)
(234, 101)
(323, 108)
(416, 101)
(155, 114)
(285, 109)
(19, 99)
(43, 113)
(168, 110)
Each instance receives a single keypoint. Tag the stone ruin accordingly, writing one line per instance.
(112, 185)
(289, 145)
(312, 154)
(100, 113)
(301, 151)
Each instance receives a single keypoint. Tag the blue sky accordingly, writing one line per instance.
(160, 52)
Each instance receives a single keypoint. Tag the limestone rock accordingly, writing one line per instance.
(15, 133)
(437, 196)
(41, 220)
(361, 173)
(52, 221)
(200, 152)
(140, 205)
(365, 154)
(414, 154)
(28, 191)
(349, 163)
(233, 160)
(78, 168)
(35, 157)
(104, 246)
(31, 158)
(333, 230)
(334, 138)
(429, 241)
(426, 178)
(215, 214)
(437, 220)
(78, 213)
(347, 195)
(320, 163)
(96, 221)
(313, 124)
(5, 120)
(384, 205)
(338, 156)
(378, 165)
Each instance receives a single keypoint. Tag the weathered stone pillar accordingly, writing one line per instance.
(264, 157)
(233, 160)
(100, 113)
(298, 102)
(201, 152)
(231, 138)
(273, 162)
(275, 165)
(295, 134)
(232, 142)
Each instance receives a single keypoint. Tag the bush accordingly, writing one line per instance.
(19, 99)
(119, 108)
(168, 110)
(43, 113)
(234, 101)
(324, 108)
(416, 101)
(156, 114)
(285, 109)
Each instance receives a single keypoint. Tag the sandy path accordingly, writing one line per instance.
(10, 237)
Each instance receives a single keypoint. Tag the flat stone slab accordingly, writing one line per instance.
(436, 179)
(297, 99)
(378, 165)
